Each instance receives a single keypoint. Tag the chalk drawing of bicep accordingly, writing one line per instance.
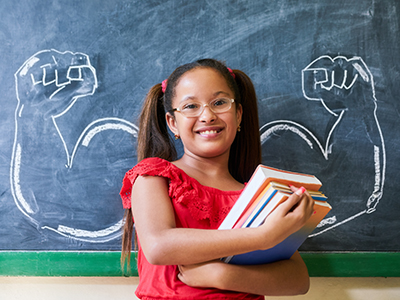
(45, 187)
(88, 135)
(345, 88)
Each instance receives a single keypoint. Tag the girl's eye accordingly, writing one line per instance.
(190, 106)
(220, 102)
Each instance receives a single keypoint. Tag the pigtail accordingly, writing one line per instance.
(153, 137)
(245, 153)
(153, 141)
(127, 234)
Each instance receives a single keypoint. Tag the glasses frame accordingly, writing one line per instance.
(203, 106)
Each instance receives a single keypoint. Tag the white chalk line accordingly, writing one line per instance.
(338, 224)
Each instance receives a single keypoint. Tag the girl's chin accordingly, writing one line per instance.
(210, 152)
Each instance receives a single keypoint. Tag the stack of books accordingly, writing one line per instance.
(267, 188)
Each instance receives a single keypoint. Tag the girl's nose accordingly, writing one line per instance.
(207, 115)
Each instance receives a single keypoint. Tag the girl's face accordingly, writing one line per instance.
(209, 134)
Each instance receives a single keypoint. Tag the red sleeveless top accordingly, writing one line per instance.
(196, 206)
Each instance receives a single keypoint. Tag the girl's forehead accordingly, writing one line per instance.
(201, 81)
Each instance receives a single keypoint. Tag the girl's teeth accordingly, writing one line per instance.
(209, 132)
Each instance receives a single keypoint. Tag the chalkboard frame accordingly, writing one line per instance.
(74, 263)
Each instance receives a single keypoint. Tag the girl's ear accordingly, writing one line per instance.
(171, 122)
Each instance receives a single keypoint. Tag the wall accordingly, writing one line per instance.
(99, 288)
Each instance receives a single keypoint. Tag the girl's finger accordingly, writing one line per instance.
(307, 204)
(300, 191)
(293, 188)
(292, 201)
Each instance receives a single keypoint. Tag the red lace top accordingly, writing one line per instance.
(196, 206)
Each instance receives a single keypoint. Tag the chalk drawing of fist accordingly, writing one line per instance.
(350, 159)
(333, 80)
(53, 80)
(63, 183)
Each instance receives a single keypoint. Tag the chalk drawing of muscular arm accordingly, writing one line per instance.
(345, 87)
(44, 163)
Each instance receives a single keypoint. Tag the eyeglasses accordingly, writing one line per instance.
(194, 109)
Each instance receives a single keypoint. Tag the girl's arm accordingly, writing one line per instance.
(164, 244)
(282, 278)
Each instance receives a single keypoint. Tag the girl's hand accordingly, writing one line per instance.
(203, 275)
(288, 217)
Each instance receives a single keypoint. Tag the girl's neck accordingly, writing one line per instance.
(213, 172)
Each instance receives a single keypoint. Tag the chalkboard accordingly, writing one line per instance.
(73, 76)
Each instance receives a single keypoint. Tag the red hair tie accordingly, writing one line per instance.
(230, 71)
(164, 85)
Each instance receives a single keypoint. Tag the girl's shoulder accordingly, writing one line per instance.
(154, 166)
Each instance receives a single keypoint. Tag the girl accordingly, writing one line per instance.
(176, 205)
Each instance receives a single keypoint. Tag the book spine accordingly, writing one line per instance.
(259, 209)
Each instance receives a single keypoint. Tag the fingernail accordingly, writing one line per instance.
(314, 212)
(300, 191)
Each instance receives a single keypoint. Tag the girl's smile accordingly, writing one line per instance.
(209, 132)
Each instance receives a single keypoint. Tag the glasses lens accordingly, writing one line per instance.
(190, 109)
(220, 105)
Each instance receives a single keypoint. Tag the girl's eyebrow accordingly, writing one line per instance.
(219, 93)
(216, 94)
(188, 98)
